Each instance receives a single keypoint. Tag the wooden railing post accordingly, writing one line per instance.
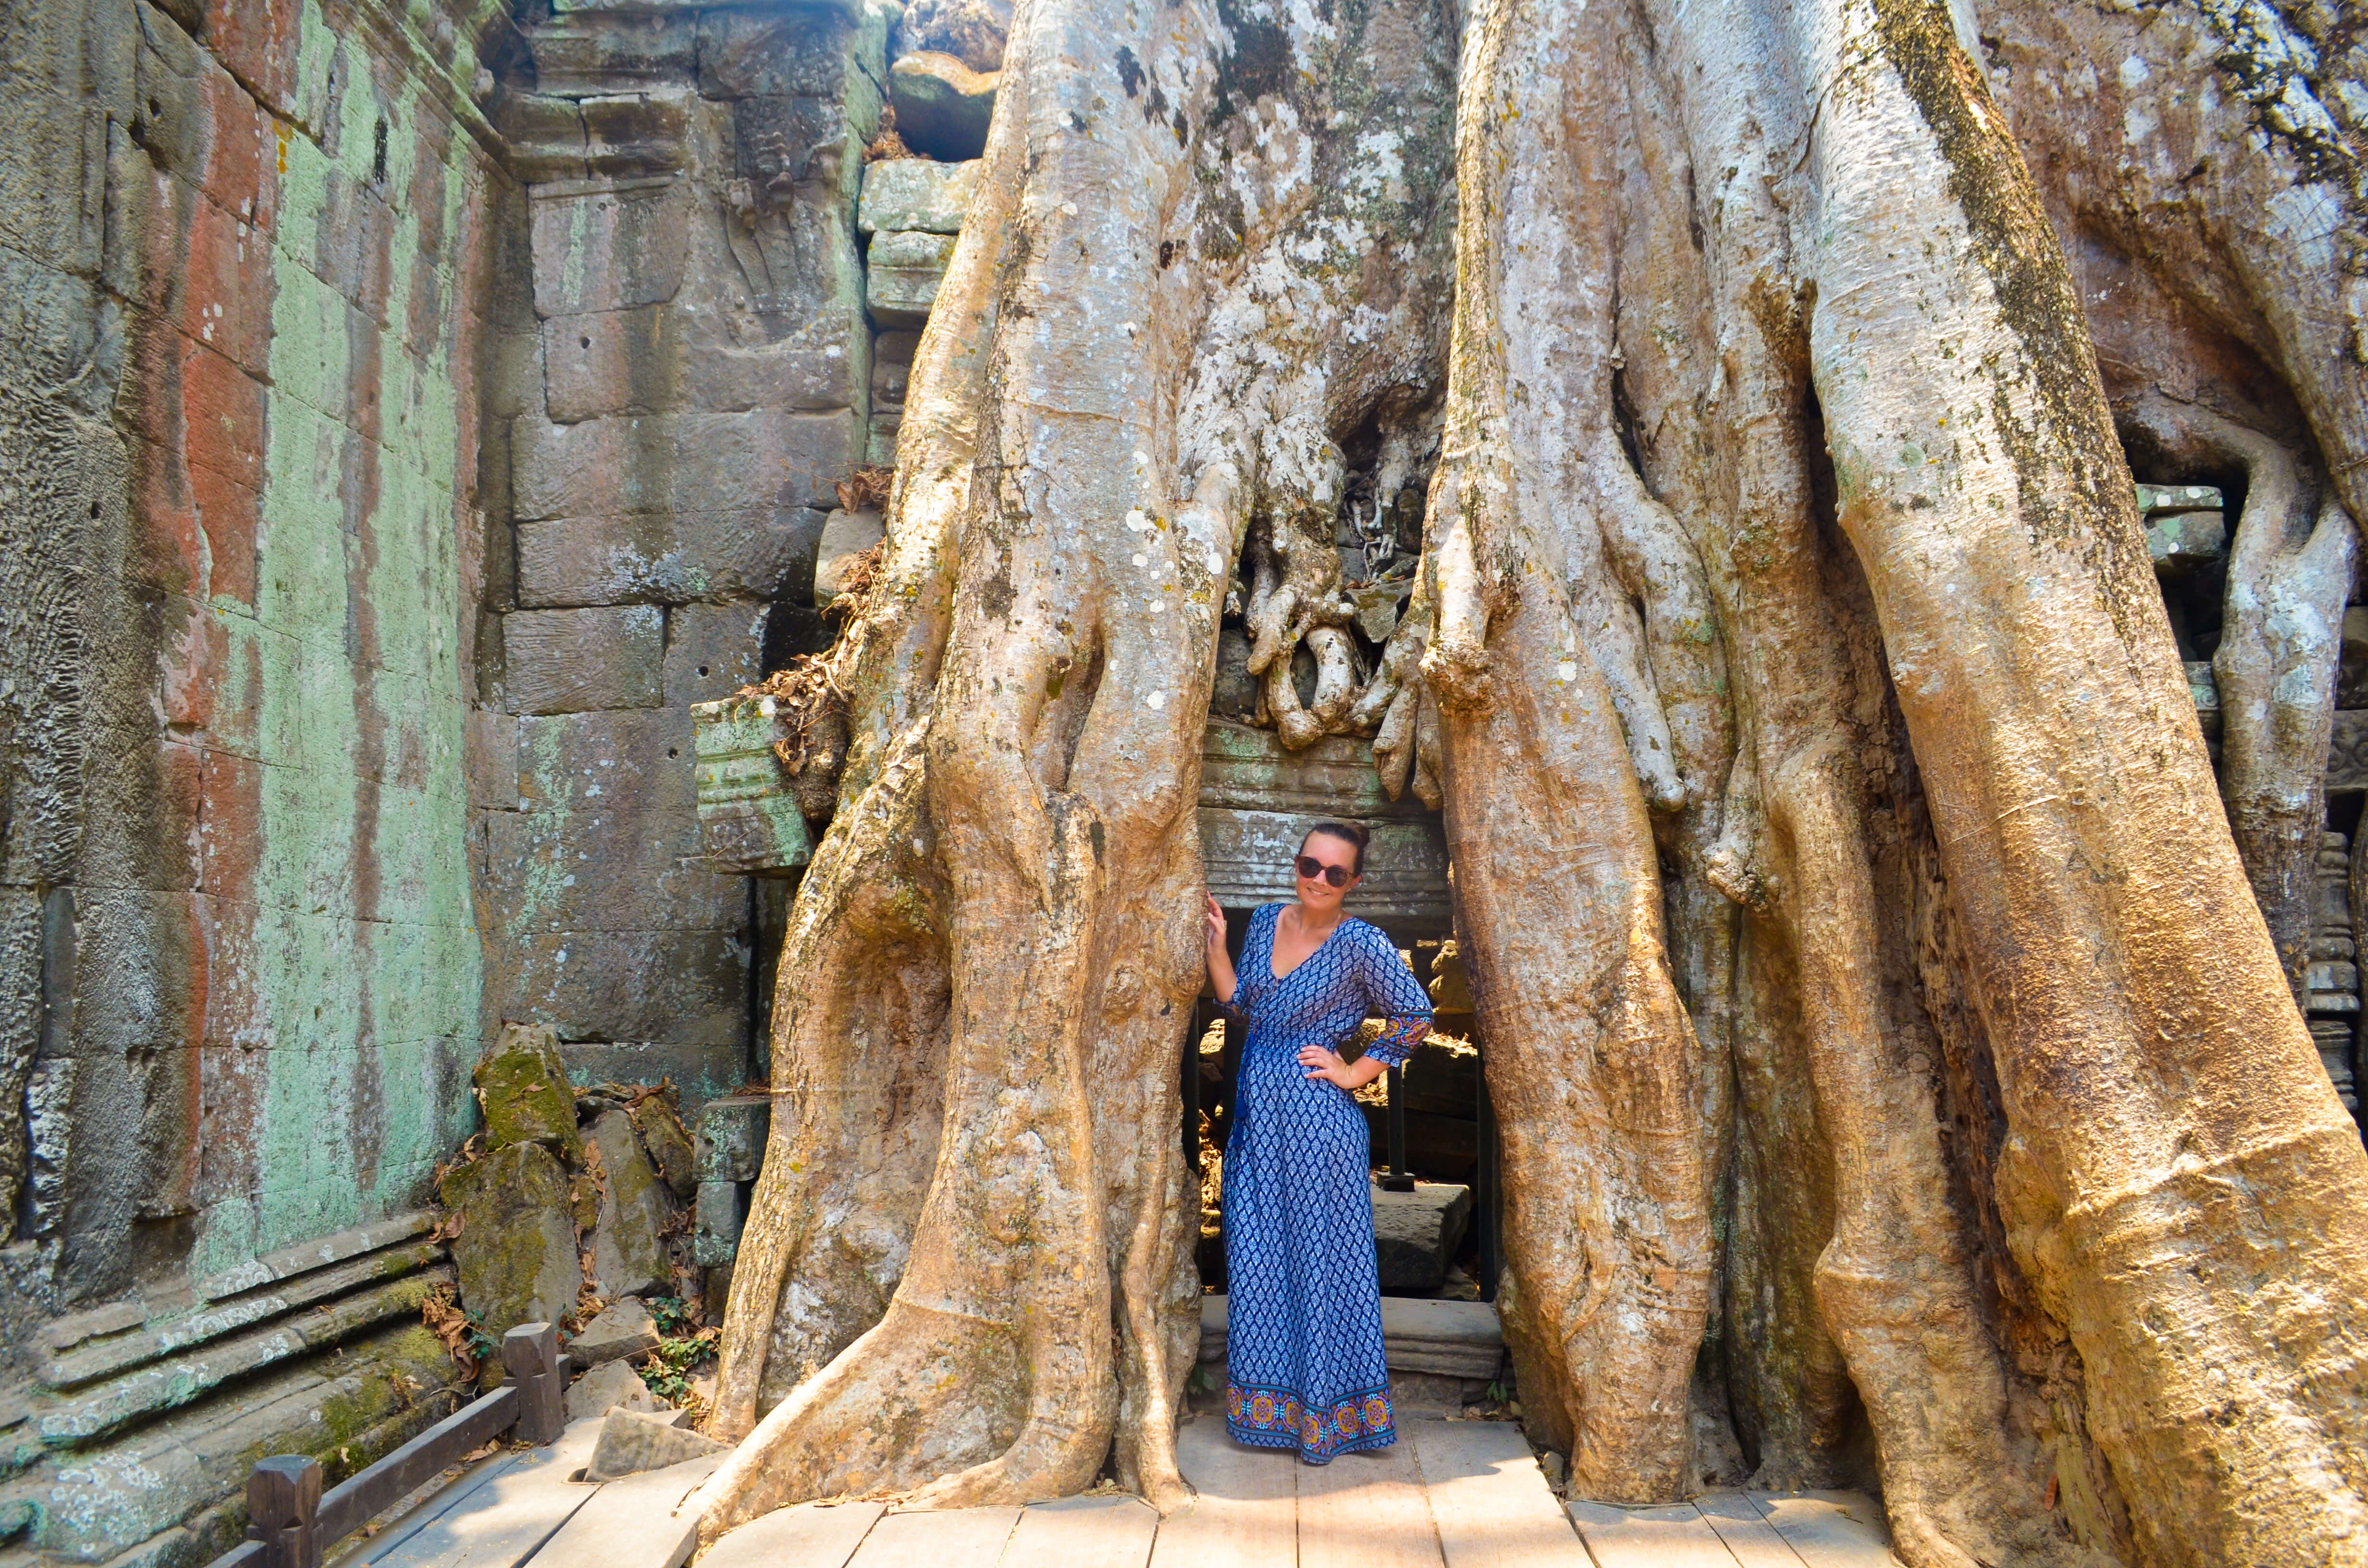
(530, 1355)
(283, 1505)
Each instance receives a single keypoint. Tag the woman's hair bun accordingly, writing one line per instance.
(1354, 833)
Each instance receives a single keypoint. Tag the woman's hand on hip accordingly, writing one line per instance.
(1325, 1064)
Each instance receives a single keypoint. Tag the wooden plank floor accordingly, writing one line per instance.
(1456, 1494)
(1451, 1494)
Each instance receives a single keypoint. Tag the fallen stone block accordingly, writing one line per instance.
(917, 194)
(1415, 1233)
(611, 1386)
(844, 536)
(633, 1441)
(749, 819)
(522, 1088)
(668, 1142)
(516, 1249)
(626, 1329)
(942, 105)
(629, 1254)
(904, 269)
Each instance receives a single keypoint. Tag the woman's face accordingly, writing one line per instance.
(1317, 892)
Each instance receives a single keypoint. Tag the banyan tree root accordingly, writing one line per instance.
(1590, 1059)
(1295, 599)
(2280, 637)
(1016, 837)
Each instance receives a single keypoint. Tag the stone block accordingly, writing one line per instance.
(1248, 858)
(633, 1441)
(712, 651)
(811, 376)
(880, 446)
(522, 1085)
(902, 270)
(608, 362)
(489, 755)
(668, 1143)
(691, 460)
(679, 996)
(716, 1223)
(630, 134)
(750, 819)
(516, 1250)
(1378, 604)
(628, 1252)
(915, 194)
(752, 552)
(844, 536)
(1451, 1339)
(799, 52)
(1451, 992)
(2352, 669)
(972, 31)
(892, 367)
(2181, 542)
(577, 56)
(732, 1134)
(608, 245)
(1415, 1233)
(942, 105)
(573, 661)
(545, 136)
(624, 1329)
(612, 1385)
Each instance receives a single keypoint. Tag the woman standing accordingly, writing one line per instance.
(1304, 1311)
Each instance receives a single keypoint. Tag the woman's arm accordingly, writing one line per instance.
(1325, 1064)
(1221, 968)
(1391, 991)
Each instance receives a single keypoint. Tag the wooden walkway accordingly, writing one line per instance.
(1455, 1494)
(1459, 1495)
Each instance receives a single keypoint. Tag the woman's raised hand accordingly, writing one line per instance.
(1216, 925)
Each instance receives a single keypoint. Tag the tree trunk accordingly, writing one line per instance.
(1870, 985)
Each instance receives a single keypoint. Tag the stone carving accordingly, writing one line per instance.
(2334, 972)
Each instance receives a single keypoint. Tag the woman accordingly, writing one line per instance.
(1303, 1312)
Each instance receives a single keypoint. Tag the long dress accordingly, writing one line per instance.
(1304, 1311)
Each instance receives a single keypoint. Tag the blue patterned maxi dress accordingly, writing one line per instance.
(1304, 1311)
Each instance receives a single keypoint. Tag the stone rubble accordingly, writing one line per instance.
(633, 1441)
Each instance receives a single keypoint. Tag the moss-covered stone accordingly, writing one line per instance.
(516, 1249)
(668, 1143)
(628, 1253)
(522, 1088)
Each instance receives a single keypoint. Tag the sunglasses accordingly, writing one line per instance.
(1314, 869)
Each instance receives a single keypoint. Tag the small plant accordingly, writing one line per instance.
(666, 1371)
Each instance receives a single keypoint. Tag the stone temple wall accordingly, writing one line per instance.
(249, 249)
(407, 411)
(679, 389)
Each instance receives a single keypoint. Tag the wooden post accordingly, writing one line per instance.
(530, 1355)
(283, 1505)
(1398, 1180)
(1488, 1210)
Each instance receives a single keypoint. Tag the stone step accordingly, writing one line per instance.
(1456, 1339)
